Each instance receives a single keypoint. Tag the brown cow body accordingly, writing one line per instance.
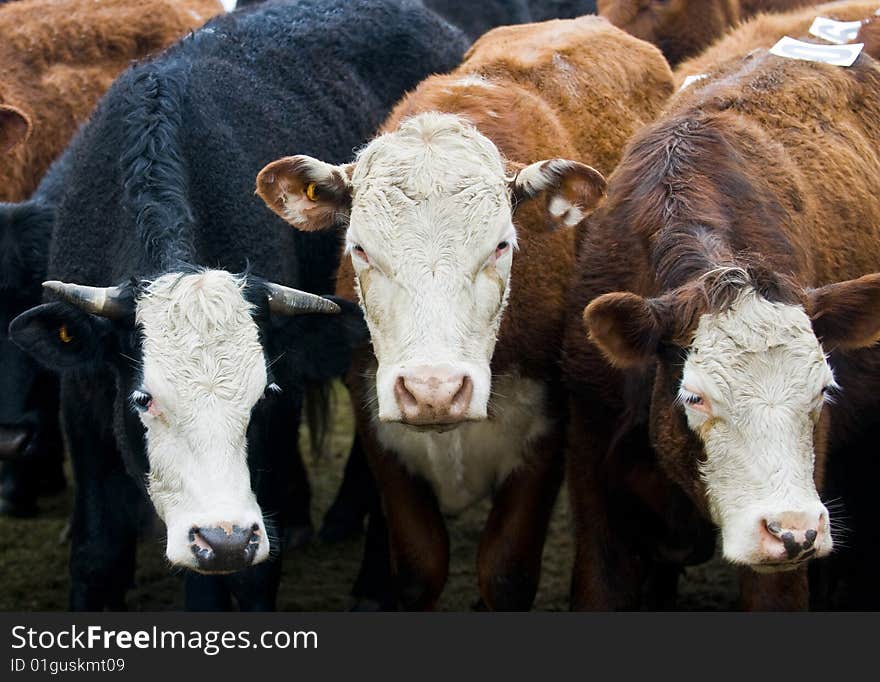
(765, 30)
(683, 28)
(580, 88)
(575, 89)
(743, 173)
(59, 57)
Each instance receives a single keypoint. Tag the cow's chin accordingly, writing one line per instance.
(436, 428)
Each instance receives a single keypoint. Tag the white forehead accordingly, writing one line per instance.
(753, 341)
(199, 338)
(434, 172)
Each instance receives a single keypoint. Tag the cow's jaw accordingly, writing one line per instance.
(204, 367)
(761, 373)
(430, 206)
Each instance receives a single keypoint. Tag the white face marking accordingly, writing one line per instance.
(204, 368)
(430, 210)
(752, 390)
(468, 463)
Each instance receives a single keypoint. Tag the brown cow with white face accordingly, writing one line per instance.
(683, 28)
(460, 242)
(720, 329)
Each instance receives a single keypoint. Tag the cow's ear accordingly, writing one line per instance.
(846, 315)
(60, 336)
(627, 328)
(15, 126)
(309, 194)
(569, 190)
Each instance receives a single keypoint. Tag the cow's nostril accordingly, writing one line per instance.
(404, 395)
(809, 538)
(462, 398)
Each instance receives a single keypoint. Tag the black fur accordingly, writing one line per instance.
(28, 394)
(475, 18)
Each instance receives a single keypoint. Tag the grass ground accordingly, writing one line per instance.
(33, 562)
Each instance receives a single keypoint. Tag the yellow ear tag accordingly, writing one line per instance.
(312, 191)
(64, 335)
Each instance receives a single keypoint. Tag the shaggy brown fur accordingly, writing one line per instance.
(575, 89)
(58, 57)
(683, 28)
(765, 30)
(772, 168)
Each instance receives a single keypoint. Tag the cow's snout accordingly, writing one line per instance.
(224, 548)
(433, 395)
(792, 537)
(14, 441)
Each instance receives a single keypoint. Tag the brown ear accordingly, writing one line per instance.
(626, 328)
(15, 126)
(569, 190)
(846, 315)
(309, 194)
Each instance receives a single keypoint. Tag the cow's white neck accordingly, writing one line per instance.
(466, 464)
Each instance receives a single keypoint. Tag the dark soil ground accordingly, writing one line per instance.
(33, 562)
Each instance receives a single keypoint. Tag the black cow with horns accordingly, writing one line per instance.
(179, 315)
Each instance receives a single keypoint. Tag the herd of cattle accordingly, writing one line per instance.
(567, 255)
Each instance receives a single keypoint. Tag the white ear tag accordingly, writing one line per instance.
(836, 55)
(837, 32)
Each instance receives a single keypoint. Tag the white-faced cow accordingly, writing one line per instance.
(720, 333)
(459, 241)
(183, 354)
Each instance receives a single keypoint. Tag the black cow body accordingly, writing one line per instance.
(475, 18)
(30, 438)
(161, 180)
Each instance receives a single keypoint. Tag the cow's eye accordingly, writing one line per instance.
(359, 251)
(141, 400)
(502, 248)
(693, 400)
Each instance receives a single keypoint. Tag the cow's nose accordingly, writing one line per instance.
(792, 536)
(14, 441)
(224, 548)
(432, 395)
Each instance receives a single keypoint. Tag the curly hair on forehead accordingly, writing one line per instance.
(718, 288)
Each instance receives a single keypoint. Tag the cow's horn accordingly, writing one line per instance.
(103, 301)
(286, 301)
